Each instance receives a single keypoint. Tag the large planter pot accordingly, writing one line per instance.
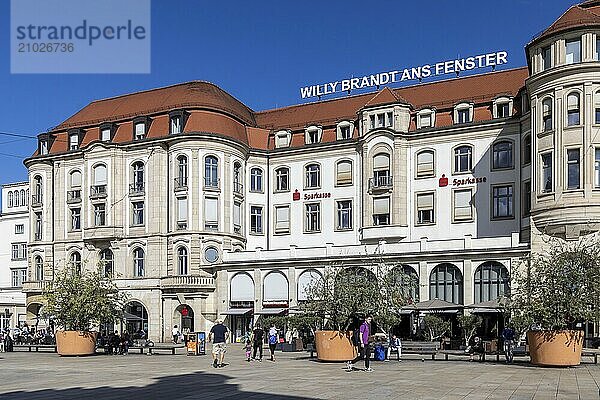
(76, 343)
(555, 348)
(334, 346)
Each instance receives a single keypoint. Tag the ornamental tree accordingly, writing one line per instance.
(80, 301)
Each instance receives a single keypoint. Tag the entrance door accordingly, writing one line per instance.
(185, 314)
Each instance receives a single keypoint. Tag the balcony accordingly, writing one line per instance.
(189, 282)
(74, 196)
(102, 233)
(238, 188)
(211, 183)
(382, 182)
(136, 189)
(35, 286)
(98, 192)
(181, 183)
(36, 200)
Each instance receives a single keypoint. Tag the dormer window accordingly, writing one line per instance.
(502, 107)
(282, 139)
(425, 118)
(573, 51)
(177, 121)
(75, 136)
(546, 58)
(381, 120)
(312, 135)
(344, 130)
(463, 113)
(44, 146)
(140, 128)
(106, 132)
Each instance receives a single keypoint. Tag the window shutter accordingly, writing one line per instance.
(76, 179)
(210, 209)
(573, 101)
(462, 204)
(282, 218)
(381, 205)
(237, 208)
(100, 175)
(381, 161)
(182, 209)
(547, 107)
(425, 201)
(344, 172)
(424, 163)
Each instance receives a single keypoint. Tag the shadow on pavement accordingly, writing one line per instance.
(197, 385)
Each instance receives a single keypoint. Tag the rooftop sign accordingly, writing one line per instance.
(423, 71)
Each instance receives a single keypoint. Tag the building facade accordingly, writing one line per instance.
(201, 207)
(14, 228)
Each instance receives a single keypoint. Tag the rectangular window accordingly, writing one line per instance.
(182, 213)
(502, 201)
(175, 125)
(573, 169)
(282, 140)
(18, 276)
(546, 58)
(425, 208)
(527, 150)
(597, 168)
(282, 180)
(256, 219)
(573, 51)
(38, 226)
(381, 211)
(100, 214)
(502, 110)
(380, 120)
(313, 217)
(73, 142)
(211, 220)
(463, 209)
(463, 115)
(75, 219)
(389, 119)
(137, 208)
(425, 164)
(425, 120)
(105, 135)
(43, 147)
(372, 121)
(547, 183)
(344, 215)
(526, 198)
(597, 53)
(345, 132)
(282, 219)
(14, 252)
(237, 217)
(312, 136)
(140, 131)
(19, 229)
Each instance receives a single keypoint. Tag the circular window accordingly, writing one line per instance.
(211, 254)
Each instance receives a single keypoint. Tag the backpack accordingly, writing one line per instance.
(272, 339)
(356, 337)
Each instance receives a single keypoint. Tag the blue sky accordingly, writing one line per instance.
(262, 52)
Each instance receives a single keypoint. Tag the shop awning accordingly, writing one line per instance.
(130, 317)
(434, 305)
(237, 311)
(491, 306)
(271, 311)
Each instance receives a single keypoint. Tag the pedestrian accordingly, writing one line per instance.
(248, 348)
(272, 341)
(125, 343)
(394, 345)
(218, 335)
(175, 333)
(108, 348)
(116, 343)
(365, 350)
(257, 342)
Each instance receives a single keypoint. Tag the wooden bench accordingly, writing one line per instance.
(161, 347)
(421, 348)
(37, 347)
(591, 353)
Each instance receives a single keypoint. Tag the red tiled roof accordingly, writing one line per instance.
(580, 15)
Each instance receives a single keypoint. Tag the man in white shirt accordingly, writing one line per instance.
(175, 333)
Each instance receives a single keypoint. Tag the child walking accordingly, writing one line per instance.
(248, 348)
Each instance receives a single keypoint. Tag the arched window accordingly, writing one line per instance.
(446, 283)
(275, 288)
(75, 179)
(381, 171)
(241, 288)
(107, 262)
(75, 260)
(10, 199)
(182, 261)
(137, 169)
(502, 155)
(344, 172)
(37, 190)
(305, 281)
(256, 180)
(39, 268)
(573, 109)
(138, 262)
(425, 163)
(407, 278)
(100, 182)
(238, 187)
(22, 193)
(282, 179)
(491, 281)
(17, 201)
(182, 171)
(547, 115)
(211, 172)
(312, 176)
(463, 159)
(27, 197)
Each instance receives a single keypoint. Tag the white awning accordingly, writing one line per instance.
(485, 310)
(270, 311)
(237, 311)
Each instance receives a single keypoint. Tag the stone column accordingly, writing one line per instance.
(423, 281)
(467, 282)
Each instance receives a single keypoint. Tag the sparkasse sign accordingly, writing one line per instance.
(413, 73)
